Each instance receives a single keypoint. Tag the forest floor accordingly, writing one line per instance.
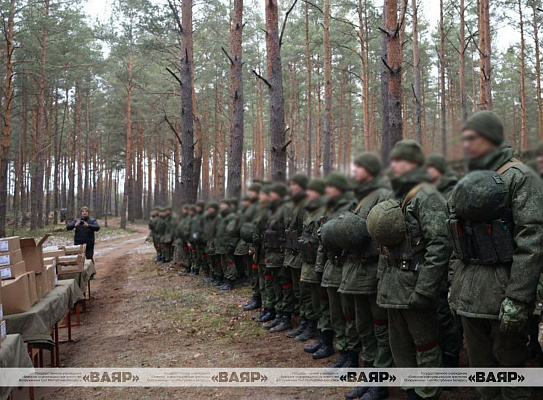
(144, 315)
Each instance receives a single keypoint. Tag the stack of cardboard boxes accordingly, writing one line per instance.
(24, 277)
(73, 260)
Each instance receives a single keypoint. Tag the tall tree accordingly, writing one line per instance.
(485, 67)
(442, 105)
(327, 69)
(523, 132)
(535, 24)
(416, 73)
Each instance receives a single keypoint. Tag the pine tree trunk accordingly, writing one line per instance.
(308, 110)
(416, 74)
(128, 143)
(461, 62)
(327, 70)
(523, 133)
(443, 110)
(538, 70)
(364, 60)
(485, 99)
(235, 158)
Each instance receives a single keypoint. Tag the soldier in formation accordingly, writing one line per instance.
(377, 262)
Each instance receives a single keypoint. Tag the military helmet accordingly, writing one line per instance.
(351, 231)
(480, 196)
(386, 223)
(328, 236)
(247, 231)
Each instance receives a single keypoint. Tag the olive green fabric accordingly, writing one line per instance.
(447, 182)
(437, 161)
(318, 185)
(13, 354)
(224, 242)
(278, 221)
(248, 215)
(478, 290)
(211, 221)
(260, 220)
(279, 188)
(300, 179)
(295, 223)
(338, 180)
(386, 223)
(352, 340)
(337, 319)
(314, 211)
(371, 162)
(255, 187)
(488, 124)
(408, 150)
(426, 216)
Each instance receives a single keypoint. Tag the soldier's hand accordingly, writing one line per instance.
(540, 336)
(419, 301)
(513, 315)
(319, 275)
(250, 253)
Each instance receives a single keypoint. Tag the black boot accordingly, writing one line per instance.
(227, 285)
(185, 272)
(195, 272)
(299, 329)
(376, 393)
(309, 332)
(267, 316)
(352, 360)
(341, 361)
(327, 347)
(357, 392)
(412, 395)
(218, 281)
(449, 360)
(286, 323)
(254, 304)
(276, 321)
(313, 347)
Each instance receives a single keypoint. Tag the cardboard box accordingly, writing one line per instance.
(42, 285)
(10, 244)
(33, 253)
(13, 271)
(51, 276)
(3, 331)
(32, 289)
(53, 251)
(1, 311)
(16, 295)
(75, 249)
(71, 264)
(50, 261)
(11, 258)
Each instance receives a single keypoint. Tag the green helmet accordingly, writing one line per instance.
(351, 231)
(247, 231)
(480, 196)
(328, 236)
(386, 223)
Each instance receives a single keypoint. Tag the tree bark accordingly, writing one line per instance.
(128, 143)
(461, 62)
(538, 70)
(443, 110)
(416, 74)
(485, 95)
(523, 133)
(327, 70)
(308, 111)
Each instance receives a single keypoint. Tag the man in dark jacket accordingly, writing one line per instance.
(85, 226)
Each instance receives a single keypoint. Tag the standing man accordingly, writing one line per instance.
(197, 241)
(85, 226)
(210, 233)
(495, 293)
(442, 176)
(366, 323)
(413, 234)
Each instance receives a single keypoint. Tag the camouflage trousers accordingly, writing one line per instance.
(450, 330)
(295, 276)
(413, 341)
(167, 251)
(371, 325)
(309, 300)
(267, 287)
(255, 277)
(228, 264)
(199, 259)
(284, 290)
(243, 267)
(337, 318)
(215, 265)
(491, 348)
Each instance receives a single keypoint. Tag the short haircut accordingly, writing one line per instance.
(85, 208)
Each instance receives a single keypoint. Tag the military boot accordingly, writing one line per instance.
(309, 332)
(254, 304)
(341, 361)
(218, 281)
(327, 347)
(412, 395)
(227, 285)
(357, 393)
(313, 347)
(209, 280)
(266, 316)
(299, 329)
(286, 323)
(352, 360)
(276, 321)
(376, 393)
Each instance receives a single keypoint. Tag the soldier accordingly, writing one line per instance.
(226, 243)
(366, 324)
(274, 244)
(413, 235)
(257, 249)
(292, 264)
(209, 234)
(167, 234)
(153, 233)
(244, 247)
(450, 330)
(442, 176)
(179, 241)
(495, 277)
(329, 265)
(310, 283)
(198, 244)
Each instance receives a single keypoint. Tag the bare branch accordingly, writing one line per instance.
(285, 22)
(263, 79)
(227, 56)
(173, 129)
(175, 76)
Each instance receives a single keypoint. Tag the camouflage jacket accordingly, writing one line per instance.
(277, 223)
(210, 232)
(180, 230)
(358, 276)
(225, 243)
(331, 269)
(248, 215)
(425, 217)
(152, 227)
(295, 223)
(260, 220)
(447, 183)
(313, 212)
(197, 228)
(478, 290)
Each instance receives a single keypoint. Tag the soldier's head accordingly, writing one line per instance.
(185, 209)
(160, 211)
(246, 201)
(539, 154)
(482, 133)
(336, 184)
(278, 190)
(167, 210)
(200, 205)
(264, 195)
(211, 208)
(297, 183)
(154, 212)
(406, 156)
(366, 166)
(224, 205)
(436, 165)
(84, 212)
(233, 202)
(315, 188)
(191, 210)
(254, 191)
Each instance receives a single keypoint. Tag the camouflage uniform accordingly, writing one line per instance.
(198, 255)
(226, 244)
(153, 234)
(408, 289)
(479, 292)
(260, 221)
(209, 235)
(366, 323)
(167, 234)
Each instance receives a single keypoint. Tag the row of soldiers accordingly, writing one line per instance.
(400, 267)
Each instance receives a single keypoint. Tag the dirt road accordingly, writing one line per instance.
(141, 315)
